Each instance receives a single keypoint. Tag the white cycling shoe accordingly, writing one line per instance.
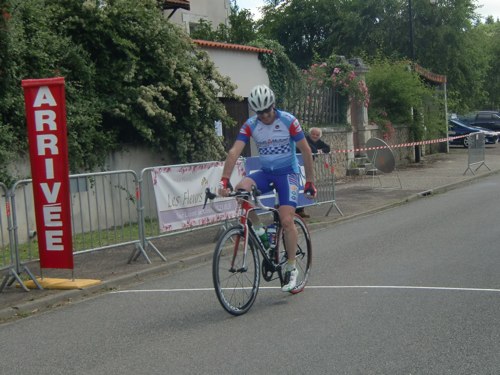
(290, 280)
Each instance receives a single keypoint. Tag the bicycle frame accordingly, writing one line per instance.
(245, 208)
(236, 268)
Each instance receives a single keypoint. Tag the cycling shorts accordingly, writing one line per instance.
(286, 185)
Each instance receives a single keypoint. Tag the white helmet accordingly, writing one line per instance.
(261, 98)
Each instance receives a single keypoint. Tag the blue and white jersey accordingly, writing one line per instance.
(275, 142)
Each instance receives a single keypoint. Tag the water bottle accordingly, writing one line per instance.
(271, 234)
(261, 232)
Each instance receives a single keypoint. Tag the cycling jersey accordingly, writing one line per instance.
(275, 142)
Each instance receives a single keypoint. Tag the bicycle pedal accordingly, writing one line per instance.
(267, 270)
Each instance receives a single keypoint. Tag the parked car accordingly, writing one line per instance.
(457, 127)
(485, 119)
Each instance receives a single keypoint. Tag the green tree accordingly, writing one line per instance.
(491, 48)
(448, 42)
(4, 46)
(301, 26)
(446, 36)
(284, 76)
(35, 50)
(241, 29)
(394, 90)
(157, 87)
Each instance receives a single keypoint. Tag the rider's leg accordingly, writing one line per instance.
(246, 184)
(287, 187)
(290, 232)
(287, 214)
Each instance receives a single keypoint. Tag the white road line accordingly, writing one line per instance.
(318, 287)
(162, 290)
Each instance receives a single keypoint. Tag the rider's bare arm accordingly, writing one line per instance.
(232, 156)
(304, 148)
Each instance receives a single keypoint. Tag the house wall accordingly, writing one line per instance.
(243, 68)
(214, 11)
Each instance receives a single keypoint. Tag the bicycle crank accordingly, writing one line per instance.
(267, 270)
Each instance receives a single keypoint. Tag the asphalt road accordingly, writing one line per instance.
(411, 290)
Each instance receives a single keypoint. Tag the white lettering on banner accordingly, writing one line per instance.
(45, 117)
(47, 141)
(50, 195)
(44, 96)
(54, 240)
(45, 121)
(52, 215)
(49, 168)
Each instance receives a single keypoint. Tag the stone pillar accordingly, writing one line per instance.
(358, 113)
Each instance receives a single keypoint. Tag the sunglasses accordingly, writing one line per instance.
(267, 110)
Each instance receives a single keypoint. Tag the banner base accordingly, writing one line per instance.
(64, 284)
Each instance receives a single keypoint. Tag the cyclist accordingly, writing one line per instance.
(276, 134)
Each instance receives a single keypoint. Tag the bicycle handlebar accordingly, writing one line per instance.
(240, 193)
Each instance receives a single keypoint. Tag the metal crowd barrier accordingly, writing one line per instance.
(324, 165)
(6, 255)
(11, 264)
(324, 175)
(108, 209)
(476, 152)
(103, 212)
(149, 221)
(8, 262)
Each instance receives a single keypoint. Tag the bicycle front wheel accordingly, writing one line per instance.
(236, 274)
(303, 255)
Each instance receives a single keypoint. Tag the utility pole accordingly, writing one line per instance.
(412, 58)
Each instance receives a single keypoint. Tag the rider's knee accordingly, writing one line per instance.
(245, 184)
(286, 220)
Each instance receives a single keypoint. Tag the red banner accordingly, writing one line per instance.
(45, 105)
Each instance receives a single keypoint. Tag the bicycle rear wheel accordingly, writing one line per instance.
(303, 255)
(236, 277)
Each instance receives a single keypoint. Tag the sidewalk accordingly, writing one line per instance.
(353, 196)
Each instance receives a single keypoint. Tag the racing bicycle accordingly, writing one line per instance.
(236, 267)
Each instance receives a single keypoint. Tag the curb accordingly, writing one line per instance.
(64, 297)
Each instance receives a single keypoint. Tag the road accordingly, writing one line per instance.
(411, 290)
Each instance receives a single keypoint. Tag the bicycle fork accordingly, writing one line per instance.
(244, 266)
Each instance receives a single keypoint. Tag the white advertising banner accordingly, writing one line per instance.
(180, 194)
